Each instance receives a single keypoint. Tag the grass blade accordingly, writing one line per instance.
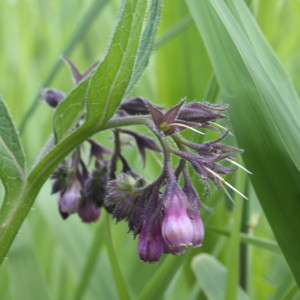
(83, 27)
(264, 112)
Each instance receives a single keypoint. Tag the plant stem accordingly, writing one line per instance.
(244, 248)
(120, 282)
(17, 213)
(248, 239)
(232, 280)
(90, 263)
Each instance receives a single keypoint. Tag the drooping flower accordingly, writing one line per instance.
(177, 228)
(69, 201)
(89, 211)
(151, 243)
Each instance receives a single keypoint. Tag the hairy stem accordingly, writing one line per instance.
(17, 213)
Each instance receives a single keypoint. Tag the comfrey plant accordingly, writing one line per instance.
(164, 215)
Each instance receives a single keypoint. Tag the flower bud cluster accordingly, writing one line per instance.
(163, 214)
(82, 191)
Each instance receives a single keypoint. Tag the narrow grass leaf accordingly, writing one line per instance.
(248, 239)
(82, 28)
(233, 254)
(264, 110)
(211, 276)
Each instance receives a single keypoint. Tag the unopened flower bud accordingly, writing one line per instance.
(69, 201)
(134, 106)
(89, 211)
(151, 244)
(121, 188)
(52, 97)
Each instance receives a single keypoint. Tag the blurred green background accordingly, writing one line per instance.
(47, 258)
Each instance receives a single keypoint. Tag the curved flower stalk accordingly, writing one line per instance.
(162, 214)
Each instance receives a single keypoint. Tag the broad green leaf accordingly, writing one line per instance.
(69, 111)
(147, 43)
(12, 159)
(126, 58)
(211, 276)
(110, 81)
(264, 110)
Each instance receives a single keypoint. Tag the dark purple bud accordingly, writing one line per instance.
(219, 169)
(88, 211)
(58, 186)
(124, 208)
(60, 176)
(151, 243)
(135, 106)
(135, 219)
(213, 148)
(95, 186)
(177, 228)
(200, 112)
(143, 142)
(69, 201)
(52, 97)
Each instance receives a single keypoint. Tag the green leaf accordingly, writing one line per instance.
(12, 159)
(211, 276)
(264, 110)
(147, 43)
(69, 111)
(110, 81)
(125, 61)
(233, 255)
(248, 239)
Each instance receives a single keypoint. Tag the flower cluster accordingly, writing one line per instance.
(81, 191)
(162, 214)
